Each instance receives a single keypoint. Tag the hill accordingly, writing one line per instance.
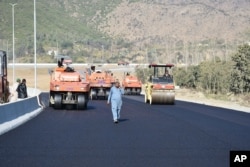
(135, 30)
(189, 20)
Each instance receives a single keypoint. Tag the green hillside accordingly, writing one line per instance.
(58, 24)
(139, 31)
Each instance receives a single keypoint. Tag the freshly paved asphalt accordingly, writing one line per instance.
(180, 135)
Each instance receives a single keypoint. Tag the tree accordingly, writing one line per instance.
(143, 73)
(240, 77)
(180, 76)
(214, 77)
(67, 44)
(187, 78)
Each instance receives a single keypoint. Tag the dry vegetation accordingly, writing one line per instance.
(43, 77)
(183, 20)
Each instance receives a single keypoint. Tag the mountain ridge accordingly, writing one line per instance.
(127, 29)
(200, 20)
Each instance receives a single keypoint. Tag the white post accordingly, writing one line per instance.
(13, 40)
(102, 53)
(35, 66)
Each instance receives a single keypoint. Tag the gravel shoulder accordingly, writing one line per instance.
(198, 97)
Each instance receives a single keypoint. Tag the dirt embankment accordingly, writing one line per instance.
(199, 97)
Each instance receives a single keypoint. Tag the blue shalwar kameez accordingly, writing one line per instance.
(115, 97)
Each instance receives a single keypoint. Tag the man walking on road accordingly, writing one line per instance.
(115, 97)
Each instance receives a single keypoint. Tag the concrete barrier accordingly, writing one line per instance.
(16, 113)
(14, 110)
(33, 92)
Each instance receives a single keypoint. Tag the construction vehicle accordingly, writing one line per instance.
(68, 88)
(160, 86)
(131, 84)
(100, 83)
(4, 84)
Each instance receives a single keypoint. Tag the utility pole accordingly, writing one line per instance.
(35, 76)
(13, 40)
(186, 54)
(7, 51)
(226, 50)
(102, 53)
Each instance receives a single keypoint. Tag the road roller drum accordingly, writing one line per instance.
(159, 88)
(162, 97)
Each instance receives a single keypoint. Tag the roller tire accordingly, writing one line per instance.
(50, 104)
(58, 101)
(145, 98)
(107, 94)
(81, 102)
(93, 96)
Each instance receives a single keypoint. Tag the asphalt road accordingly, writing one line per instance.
(180, 135)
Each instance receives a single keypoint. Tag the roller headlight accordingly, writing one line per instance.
(57, 87)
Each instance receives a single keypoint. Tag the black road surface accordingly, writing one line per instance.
(180, 135)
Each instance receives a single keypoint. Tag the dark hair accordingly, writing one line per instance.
(23, 80)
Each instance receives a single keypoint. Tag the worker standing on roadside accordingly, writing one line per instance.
(14, 93)
(115, 97)
(22, 90)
